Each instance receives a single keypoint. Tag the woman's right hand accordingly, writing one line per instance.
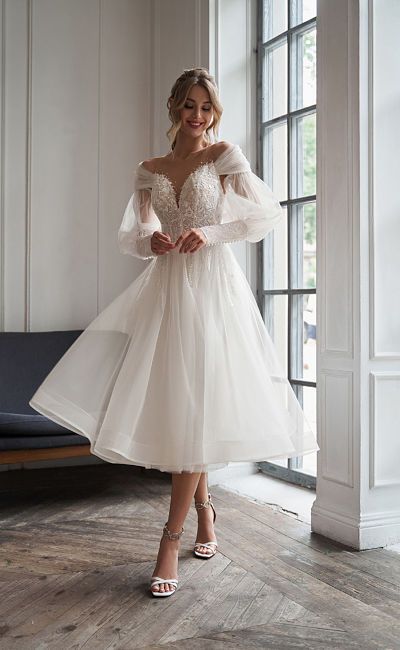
(161, 242)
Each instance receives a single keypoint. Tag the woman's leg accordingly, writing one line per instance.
(205, 516)
(182, 491)
(201, 493)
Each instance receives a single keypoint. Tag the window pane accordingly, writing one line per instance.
(275, 248)
(275, 18)
(275, 81)
(303, 249)
(310, 246)
(303, 337)
(304, 78)
(303, 155)
(288, 160)
(276, 320)
(275, 159)
(307, 397)
(302, 10)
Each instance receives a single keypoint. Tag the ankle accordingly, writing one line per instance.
(202, 497)
(172, 533)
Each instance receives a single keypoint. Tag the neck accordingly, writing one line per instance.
(186, 146)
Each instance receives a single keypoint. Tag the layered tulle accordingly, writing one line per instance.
(186, 382)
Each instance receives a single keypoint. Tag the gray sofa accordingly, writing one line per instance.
(25, 360)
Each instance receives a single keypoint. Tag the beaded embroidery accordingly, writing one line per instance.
(198, 206)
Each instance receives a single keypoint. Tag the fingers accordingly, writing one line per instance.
(163, 235)
(161, 243)
(189, 242)
(192, 241)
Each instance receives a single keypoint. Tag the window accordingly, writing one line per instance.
(287, 162)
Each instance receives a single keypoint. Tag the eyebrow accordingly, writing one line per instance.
(193, 100)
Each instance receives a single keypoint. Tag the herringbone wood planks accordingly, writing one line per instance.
(79, 544)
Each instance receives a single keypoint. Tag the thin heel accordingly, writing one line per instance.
(212, 546)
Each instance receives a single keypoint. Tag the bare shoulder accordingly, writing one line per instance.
(221, 147)
(149, 164)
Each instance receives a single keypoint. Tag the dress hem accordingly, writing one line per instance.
(107, 453)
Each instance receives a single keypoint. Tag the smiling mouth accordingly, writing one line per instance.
(195, 125)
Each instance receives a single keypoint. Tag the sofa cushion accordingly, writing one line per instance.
(41, 442)
(26, 358)
(15, 424)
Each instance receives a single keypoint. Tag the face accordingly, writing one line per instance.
(197, 112)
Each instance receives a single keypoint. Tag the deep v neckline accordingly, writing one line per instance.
(177, 200)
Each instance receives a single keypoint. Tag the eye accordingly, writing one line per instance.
(204, 109)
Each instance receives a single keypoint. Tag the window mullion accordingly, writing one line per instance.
(284, 293)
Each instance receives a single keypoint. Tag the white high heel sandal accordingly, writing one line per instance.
(212, 546)
(156, 580)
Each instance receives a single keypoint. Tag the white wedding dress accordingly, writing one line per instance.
(179, 372)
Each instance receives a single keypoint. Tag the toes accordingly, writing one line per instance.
(163, 587)
(204, 550)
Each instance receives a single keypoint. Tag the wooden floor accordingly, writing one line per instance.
(78, 546)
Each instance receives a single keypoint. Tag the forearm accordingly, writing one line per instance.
(221, 233)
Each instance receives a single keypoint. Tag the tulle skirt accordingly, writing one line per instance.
(179, 373)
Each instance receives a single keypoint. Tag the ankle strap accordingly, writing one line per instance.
(168, 533)
(203, 504)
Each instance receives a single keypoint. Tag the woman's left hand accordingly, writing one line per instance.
(191, 240)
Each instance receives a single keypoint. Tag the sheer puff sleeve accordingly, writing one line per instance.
(139, 220)
(250, 210)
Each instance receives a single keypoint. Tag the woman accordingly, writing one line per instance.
(179, 372)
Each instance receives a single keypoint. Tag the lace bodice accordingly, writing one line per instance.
(199, 200)
(245, 209)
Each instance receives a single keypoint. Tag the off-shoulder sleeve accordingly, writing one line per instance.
(139, 220)
(249, 210)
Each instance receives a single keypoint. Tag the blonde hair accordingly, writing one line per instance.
(179, 93)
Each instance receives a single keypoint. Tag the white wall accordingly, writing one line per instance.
(384, 171)
(358, 206)
(84, 92)
(76, 83)
(380, 490)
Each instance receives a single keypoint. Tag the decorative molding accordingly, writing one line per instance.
(250, 88)
(198, 32)
(28, 194)
(374, 353)
(360, 520)
(99, 152)
(322, 180)
(2, 164)
(154, 99)
(214, 36)
(353, 175)
(326, 472)
(375, 378)
(361, 531)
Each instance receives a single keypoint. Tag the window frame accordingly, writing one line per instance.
(292, 472)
